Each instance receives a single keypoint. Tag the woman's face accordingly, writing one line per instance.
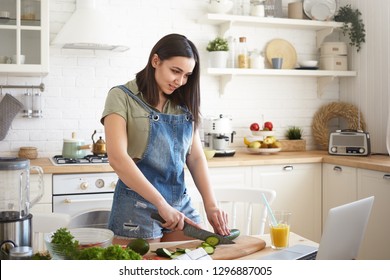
(172, 73)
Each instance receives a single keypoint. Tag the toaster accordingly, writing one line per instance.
(349, 142)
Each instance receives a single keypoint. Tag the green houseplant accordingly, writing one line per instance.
(294, 142)
(352, 25)
(218, 44)
(218, 52)
(294, 133)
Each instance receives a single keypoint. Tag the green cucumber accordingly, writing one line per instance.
(209, 249)
(234, 233)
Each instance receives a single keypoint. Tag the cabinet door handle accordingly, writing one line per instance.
(386, 176)
(337, 168)
(288, 168)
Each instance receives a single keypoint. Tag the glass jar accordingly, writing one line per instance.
(243, 59)
(257, 8)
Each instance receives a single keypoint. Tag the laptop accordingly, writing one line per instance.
(342, 236)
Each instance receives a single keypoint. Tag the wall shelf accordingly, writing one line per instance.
(225, 22)
(324, 76)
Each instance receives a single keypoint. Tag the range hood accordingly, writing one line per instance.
(89, 28)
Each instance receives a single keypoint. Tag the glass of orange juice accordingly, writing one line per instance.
(280, 232)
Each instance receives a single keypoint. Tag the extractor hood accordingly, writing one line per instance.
(89, 28)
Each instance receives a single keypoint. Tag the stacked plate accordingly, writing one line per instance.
(320, 9)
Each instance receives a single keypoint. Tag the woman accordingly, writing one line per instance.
(151, 129)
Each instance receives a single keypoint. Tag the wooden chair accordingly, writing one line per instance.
(44, 223)
(244, 206)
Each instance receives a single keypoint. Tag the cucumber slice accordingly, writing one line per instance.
(209, 249)
(212, 240)
(163, 252)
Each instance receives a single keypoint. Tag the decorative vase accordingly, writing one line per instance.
(218, 59)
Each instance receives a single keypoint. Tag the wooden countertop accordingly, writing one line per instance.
(242, 158)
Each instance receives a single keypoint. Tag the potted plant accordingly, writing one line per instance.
(218, 49)
(294, 142)
(352, 25)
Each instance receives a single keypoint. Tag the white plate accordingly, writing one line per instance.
(263, 133)
(264, 151)
(320, 9)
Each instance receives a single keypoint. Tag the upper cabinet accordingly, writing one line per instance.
(322, 29)
(24, 33)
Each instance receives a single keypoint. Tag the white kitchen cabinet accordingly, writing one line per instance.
(339, 186)
(24, 36)
(45, 204)
(376, 243)
(298, 189)
(322, 28)
(225, 177)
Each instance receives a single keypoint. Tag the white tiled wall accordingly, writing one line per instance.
(79, 79)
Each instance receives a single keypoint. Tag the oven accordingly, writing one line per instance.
(87, 197)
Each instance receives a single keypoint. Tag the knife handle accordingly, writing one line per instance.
(156, 216)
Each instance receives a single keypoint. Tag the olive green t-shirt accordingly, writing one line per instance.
(136, 117)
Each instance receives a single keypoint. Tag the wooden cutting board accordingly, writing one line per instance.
(244, 245)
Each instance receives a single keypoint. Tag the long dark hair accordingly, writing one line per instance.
(189, 95)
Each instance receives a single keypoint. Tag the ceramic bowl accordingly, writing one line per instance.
(308, 63)
(87, 237)
(209, 153)
(220, 6)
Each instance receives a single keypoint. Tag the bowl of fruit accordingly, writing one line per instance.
(266, 144)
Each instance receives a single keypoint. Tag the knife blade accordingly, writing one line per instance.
(192, 231)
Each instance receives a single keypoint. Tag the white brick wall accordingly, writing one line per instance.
(79, 79)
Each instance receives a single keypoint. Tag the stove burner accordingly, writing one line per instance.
(59, 159)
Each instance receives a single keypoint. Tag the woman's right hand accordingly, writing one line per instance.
(174, 219)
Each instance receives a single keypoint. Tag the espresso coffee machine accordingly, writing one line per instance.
(218, 135)
(15, 203)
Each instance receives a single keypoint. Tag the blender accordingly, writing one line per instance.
(15, 203)
(218, 135)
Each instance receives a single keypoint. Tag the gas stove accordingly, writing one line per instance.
(89, 159)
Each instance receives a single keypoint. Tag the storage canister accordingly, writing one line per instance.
(334, 48)
(334, 62)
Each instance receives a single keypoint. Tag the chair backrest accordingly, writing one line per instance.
(244, 206)
(44, 223)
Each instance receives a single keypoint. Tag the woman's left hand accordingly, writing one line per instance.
(218, 220)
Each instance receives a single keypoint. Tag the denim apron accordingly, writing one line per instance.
(170, 138)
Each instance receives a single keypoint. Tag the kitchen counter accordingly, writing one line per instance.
(242, 158)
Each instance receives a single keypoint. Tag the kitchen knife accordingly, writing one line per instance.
(192, 231)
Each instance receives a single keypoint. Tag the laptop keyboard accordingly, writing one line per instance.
(311, 256)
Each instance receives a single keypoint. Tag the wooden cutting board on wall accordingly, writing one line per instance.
(244, 245)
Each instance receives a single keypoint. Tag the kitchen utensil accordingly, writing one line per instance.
(192, 231)
(281, 48)
(87, 237)
(15, 202)
(308, 63)
(320, 9)
(98, 148)
(216, 131)
(74, 148)
(9, 108)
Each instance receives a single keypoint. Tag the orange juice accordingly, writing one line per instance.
(280, 236)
